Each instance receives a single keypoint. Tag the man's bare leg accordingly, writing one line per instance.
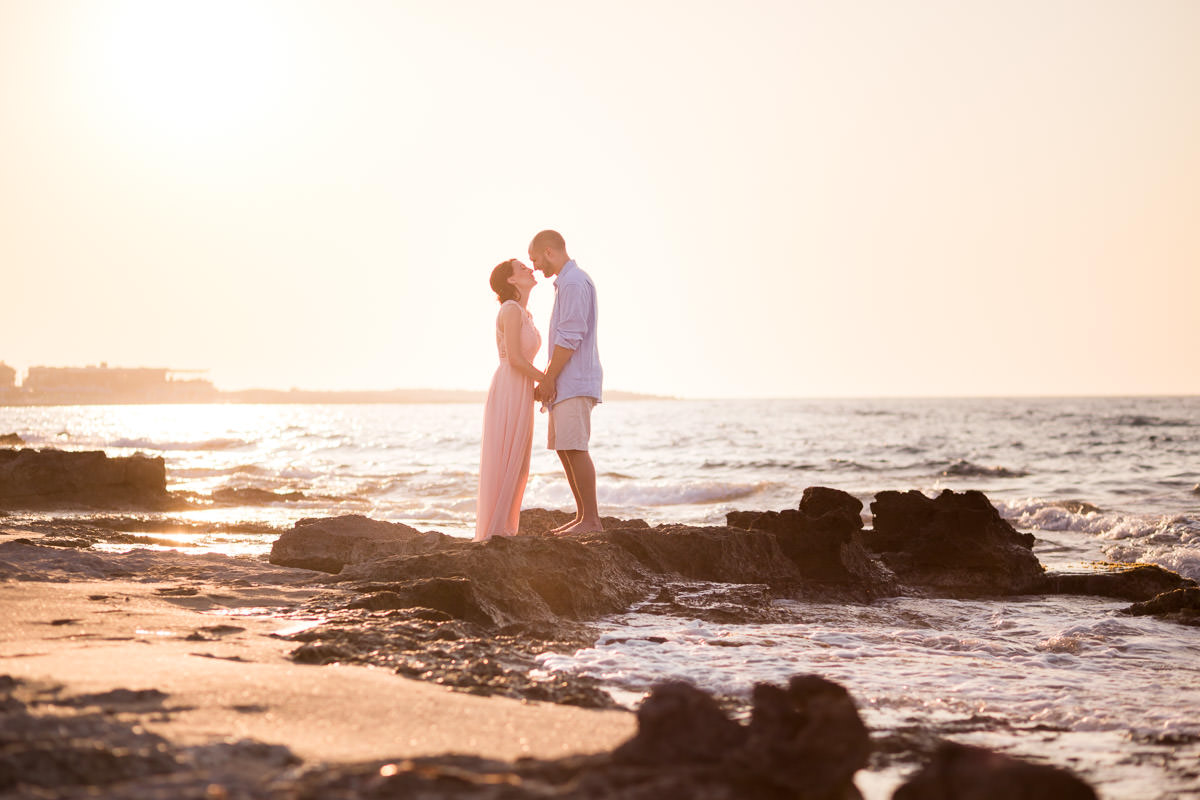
(566, 463)
(583, 483)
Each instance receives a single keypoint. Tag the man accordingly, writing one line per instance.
(573, 377)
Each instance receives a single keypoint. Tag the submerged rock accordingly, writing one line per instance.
(1076, 507)
(961, 772)
(250, 496)
(956, 544)
(1124, 581)
(58, 478)
(1179, 605)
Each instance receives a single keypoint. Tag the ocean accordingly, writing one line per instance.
(1068, 680)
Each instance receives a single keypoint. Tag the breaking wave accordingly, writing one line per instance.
(677, 494)
(960, 468)
(207, 445)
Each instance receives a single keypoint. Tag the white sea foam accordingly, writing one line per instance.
(1029, 662)
(1171, 541)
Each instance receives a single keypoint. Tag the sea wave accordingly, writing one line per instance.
(961, 468)
(204, 445)
(700, 493)
(215, 472)
(765, 463)
(1148, 421)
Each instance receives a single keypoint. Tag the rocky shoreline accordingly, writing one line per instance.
(473, 617)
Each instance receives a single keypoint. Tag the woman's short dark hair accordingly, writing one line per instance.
(500, 285)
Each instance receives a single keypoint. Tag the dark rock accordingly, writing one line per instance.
(58, 478)
(956, 544)
(736, 603)
(822, 540)
(454, 597)
(254, 497)
(961, 772)
(808, 737)
(11, 440)
(65, 749)
(329, 544)
(516, 579)
(680, 724)
(819, 502)
(321, 653)
(1178, 605)
(804, 741)
(428, 645)
(723, 555)
(820, 508)
(1133, 582)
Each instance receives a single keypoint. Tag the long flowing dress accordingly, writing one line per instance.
(507, 438)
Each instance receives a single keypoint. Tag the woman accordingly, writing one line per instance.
(508, 415)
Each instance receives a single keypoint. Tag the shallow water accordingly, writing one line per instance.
(1064, 679)
(1137, 460)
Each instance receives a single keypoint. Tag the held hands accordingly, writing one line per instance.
(545, 391)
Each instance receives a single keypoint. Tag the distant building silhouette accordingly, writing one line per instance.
(8, 377)
(104, 384)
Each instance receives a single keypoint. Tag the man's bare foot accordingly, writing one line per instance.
(564, 526)
(593, 525)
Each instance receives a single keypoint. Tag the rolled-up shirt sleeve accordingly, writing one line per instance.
(573, 307)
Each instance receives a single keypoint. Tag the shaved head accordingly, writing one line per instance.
(551, 239)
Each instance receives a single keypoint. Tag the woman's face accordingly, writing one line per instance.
(522, 276)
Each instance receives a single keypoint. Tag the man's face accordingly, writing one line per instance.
(540, 262)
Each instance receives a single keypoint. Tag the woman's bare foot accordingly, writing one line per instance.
(564, 526)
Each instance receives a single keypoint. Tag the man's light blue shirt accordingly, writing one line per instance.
(573, 326)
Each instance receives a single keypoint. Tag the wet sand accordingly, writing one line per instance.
(231, 679)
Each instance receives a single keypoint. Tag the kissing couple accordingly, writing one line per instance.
(569, 388)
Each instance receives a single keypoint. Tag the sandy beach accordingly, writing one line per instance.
(201, 661)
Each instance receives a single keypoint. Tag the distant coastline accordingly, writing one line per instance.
(310, 397)
(105, 385)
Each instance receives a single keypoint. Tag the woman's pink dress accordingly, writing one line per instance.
(507, 438)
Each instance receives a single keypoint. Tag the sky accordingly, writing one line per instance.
(774, 199)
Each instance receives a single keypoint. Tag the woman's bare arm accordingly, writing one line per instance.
(511, 321)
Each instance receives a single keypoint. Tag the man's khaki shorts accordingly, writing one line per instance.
(571, 424)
